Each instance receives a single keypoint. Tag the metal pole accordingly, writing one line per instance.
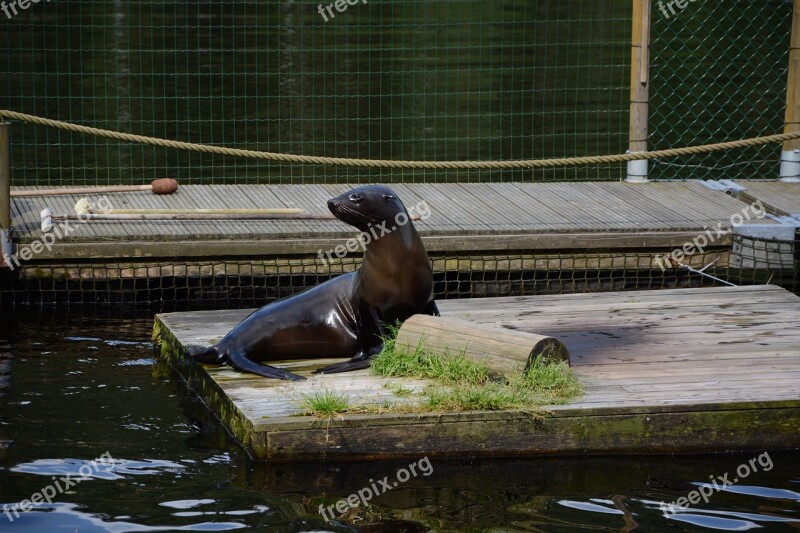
(790, 156)
(640, 88)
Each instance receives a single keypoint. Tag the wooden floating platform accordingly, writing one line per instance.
(673, 371)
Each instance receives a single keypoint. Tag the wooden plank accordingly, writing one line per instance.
(779, 198)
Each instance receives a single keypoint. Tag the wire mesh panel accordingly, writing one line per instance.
(718, 73)
(250, 282)
(400, 79)
(755, 260)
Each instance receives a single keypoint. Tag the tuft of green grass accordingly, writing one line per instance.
(325, 403)
(422, 364)
(549, 381)
(464, 385)
(399, 390)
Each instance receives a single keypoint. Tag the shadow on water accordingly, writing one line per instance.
(91, 418)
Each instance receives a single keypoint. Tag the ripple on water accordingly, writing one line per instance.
(109, 342)
(186, 504)
(222, 458)
(589, 507)
(70, 517)
(191, 504)
(753, 490)
(97, 469)
(137, 362)
(705, 518)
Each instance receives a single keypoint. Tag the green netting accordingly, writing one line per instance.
(718, 73)
(399, 79)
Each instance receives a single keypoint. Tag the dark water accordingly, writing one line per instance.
(79, 388)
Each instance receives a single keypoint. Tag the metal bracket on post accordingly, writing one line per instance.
(790, 166)
(637, 171)
(5, 249)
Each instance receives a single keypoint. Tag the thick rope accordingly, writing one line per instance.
(380, 163)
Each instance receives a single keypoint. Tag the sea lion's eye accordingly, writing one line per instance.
(355, 197)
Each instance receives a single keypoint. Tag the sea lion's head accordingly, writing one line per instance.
(367, 206)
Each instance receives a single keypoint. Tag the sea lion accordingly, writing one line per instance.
(346, 315)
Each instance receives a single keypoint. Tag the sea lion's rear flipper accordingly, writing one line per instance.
(356, 363)
(204, 354)
(239, 361)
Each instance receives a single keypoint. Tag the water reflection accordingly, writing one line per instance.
(176, 469)
(70, 517)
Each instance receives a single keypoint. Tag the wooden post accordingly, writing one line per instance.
(502, 350)
(790, 157)
(5, 192)
(5, 176)
(640, 89)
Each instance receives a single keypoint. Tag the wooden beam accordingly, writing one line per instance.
(230, 248)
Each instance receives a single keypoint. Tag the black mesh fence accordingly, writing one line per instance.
(179, 284)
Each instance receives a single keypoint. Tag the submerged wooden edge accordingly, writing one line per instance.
(557, 430)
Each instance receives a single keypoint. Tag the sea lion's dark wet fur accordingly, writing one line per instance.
(345, 316)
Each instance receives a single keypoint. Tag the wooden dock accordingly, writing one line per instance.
(673, 371)
(464, 217)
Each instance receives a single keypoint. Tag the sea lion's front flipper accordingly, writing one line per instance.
(431, 309)
(356, 363)
(239, 361)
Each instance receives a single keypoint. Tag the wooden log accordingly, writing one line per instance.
(159, 186)
(111, 217)
(265, 211)
(502, 350)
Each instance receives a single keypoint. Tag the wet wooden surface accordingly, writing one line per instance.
(664, 371)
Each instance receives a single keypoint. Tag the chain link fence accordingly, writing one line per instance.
(406, 79)
(718, 72)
